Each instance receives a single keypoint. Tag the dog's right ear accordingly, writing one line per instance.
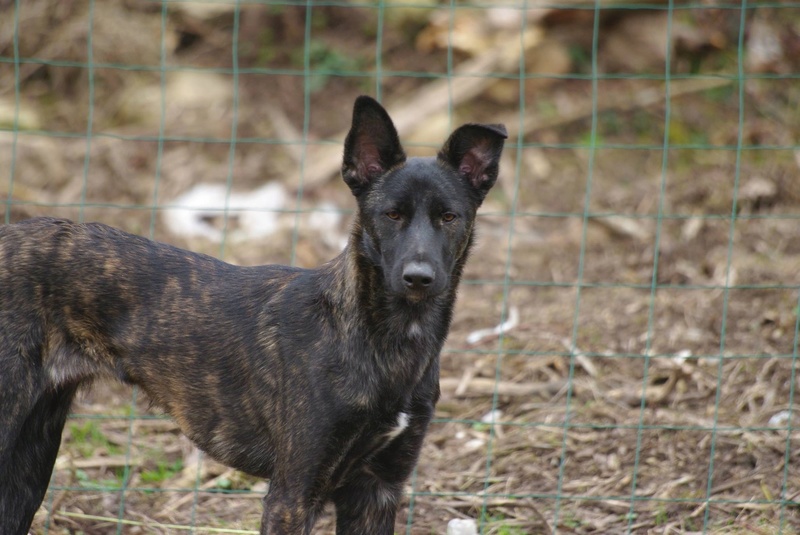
(372, 146)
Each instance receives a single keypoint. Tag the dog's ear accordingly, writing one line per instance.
(372, 146)
(474, 151)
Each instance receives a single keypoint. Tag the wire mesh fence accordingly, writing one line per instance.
(623, 357)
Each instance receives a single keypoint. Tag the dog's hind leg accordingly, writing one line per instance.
(27, 458)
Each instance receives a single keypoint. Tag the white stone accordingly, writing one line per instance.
(462, 526)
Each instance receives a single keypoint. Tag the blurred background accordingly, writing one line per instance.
(623, 357)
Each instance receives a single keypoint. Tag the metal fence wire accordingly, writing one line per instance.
(623, 356)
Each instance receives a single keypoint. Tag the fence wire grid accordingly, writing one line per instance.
(623, 356)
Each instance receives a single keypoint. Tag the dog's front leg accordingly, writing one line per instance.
(367, 503)
(288, 509)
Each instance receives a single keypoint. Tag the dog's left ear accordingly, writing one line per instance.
(474, 151)
(372, 146)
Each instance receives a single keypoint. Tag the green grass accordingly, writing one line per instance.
(88, 437)
(163, 471)
(503, 528)
(106, 483)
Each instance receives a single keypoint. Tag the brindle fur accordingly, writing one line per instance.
(322, 380)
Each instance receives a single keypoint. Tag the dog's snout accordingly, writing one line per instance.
(418, 275)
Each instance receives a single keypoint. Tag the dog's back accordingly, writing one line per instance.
(87, 300)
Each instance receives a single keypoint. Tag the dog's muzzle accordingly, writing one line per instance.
(420, 281)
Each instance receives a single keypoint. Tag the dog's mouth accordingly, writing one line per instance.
(417, 296)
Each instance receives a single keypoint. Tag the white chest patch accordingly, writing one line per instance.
(400, 426)
(414, 330)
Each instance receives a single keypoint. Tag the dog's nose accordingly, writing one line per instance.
(418, 275)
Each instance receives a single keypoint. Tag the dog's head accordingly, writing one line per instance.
(417, 214)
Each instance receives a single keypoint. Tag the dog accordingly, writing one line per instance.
(321, 380)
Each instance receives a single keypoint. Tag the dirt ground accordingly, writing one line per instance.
(645, 255)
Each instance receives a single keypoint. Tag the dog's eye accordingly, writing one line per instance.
(448, 217)
(394, 215)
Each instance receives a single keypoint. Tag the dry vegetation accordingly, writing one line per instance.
(649, 383)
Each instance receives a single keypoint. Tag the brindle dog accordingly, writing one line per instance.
(322, 380)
